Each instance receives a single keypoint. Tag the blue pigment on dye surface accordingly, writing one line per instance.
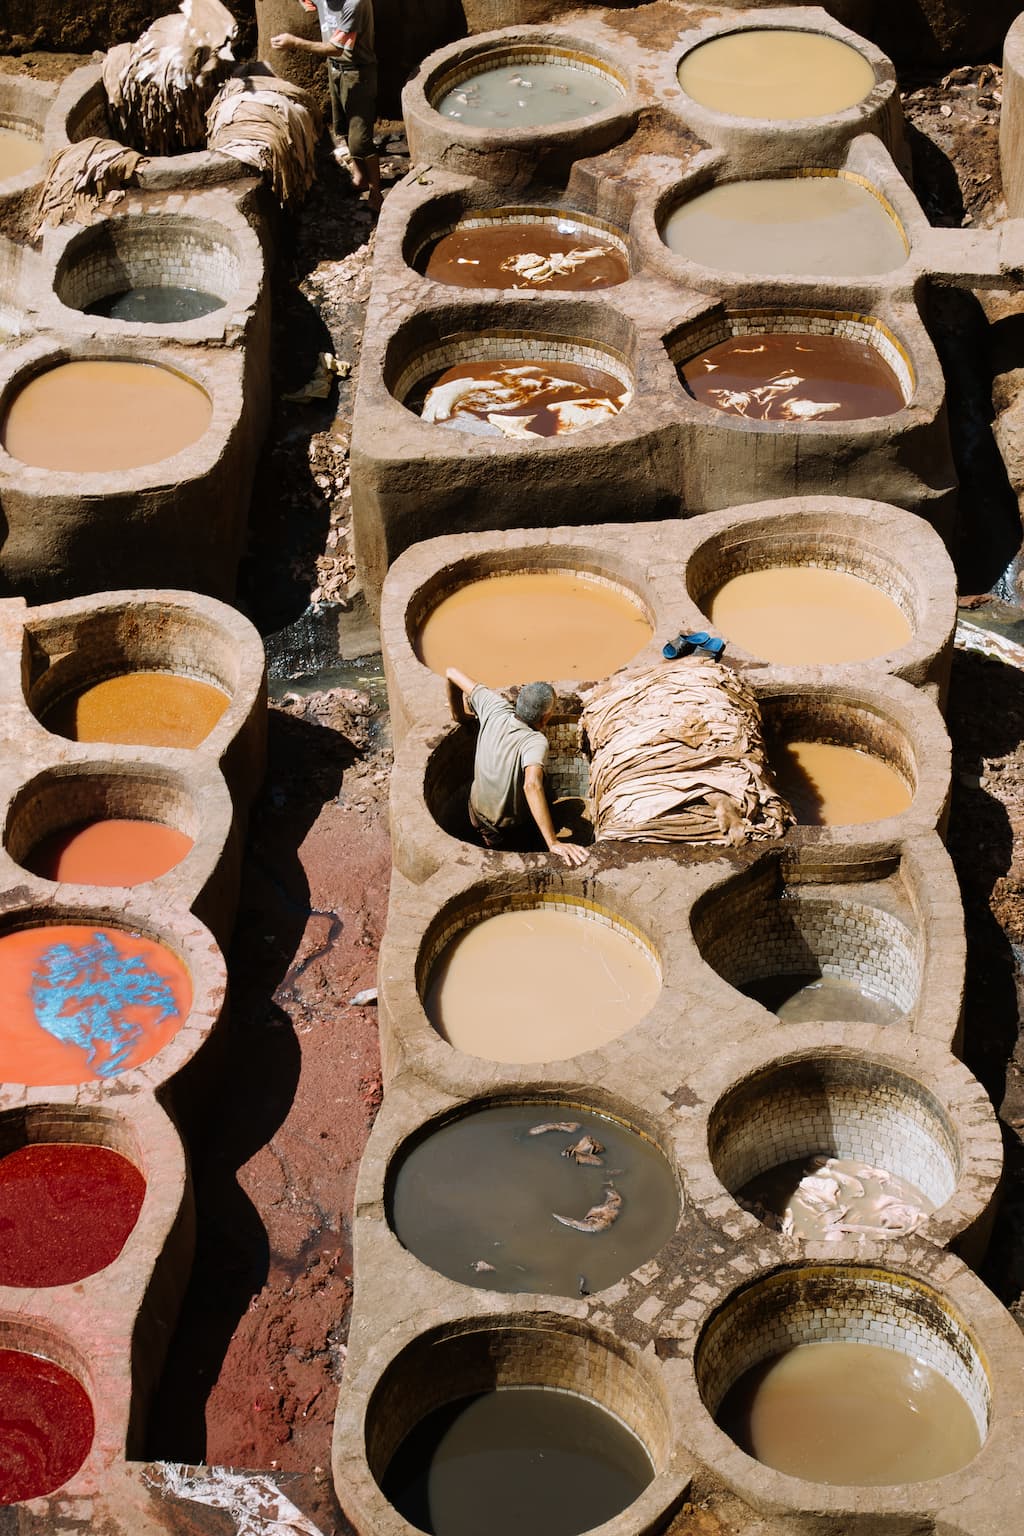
(79, 996)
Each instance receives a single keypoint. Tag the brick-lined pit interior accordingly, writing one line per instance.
(497, 343)
(841, 723)
(467, 1357)
(840, 1304)
(472, 908)
(720, 326)
(444, 215)
(756, 927)
(89, 116)
(814, 541)
(63, 655)
(523, 53)
(151, 250)
(65, 797)
(835, 1106)
(91, 1125)
(449, 773)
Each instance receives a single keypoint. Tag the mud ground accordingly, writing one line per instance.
(254, 1368)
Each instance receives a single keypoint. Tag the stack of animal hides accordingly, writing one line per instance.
(84, 180)
(678, 756)
(271, 125)
(159, 87)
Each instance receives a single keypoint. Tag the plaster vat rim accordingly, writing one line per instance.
(218, 375)
(813, 20)
(441, 68)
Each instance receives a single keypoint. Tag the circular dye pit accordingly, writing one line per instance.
(835, 1148)
(510, 1461)
(540, 983)
(19, 152)
(146, 709)
(66, 1211)
(109, 851)
(533, 93)
(97, 415)
(479, 1199)
(553, 254)
(84, 1002)
(805, 615)
(850, 1413)
(156, 305)
(776, 73)
(520, 398)
(533, 624)
(845, 1374)
(794, 377)
(797, 997)
(46, 1426)
(836, 786)
(821, 225)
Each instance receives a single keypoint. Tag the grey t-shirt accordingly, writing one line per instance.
(338, 17)
(505, 748)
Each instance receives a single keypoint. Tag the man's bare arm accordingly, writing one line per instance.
(459, 689)
(533, 788)
(339, 47)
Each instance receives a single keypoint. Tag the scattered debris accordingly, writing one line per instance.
(482, 1267)
(328, 368)
(365, 999)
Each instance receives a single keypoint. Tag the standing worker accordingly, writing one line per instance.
(346, 29)
(508, 771)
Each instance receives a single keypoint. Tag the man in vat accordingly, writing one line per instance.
(508, 770)
(346, 30)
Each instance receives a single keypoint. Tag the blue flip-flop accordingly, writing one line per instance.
(683, 645)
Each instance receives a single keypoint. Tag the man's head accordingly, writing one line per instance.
(534, 703)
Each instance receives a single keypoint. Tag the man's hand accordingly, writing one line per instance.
(569, 853)
(286, 42)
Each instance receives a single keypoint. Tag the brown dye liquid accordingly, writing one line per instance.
(483, 1191)
(492, 256)
(776, 74)
(830, 786)
(539, 985)
(535, 399)
(801, 614)
(532, 94)
(96, 416)
(795, 378)
(868, 1201)
(509, 629)
(515, 1460)
(850, 1413)
(822, 226)
(799, 997)
(146, 709)
(18, 152)
(109, 851)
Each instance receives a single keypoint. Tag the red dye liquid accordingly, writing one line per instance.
(66, 1210)
(81, 1001)
(109, 852)
(46, 1426)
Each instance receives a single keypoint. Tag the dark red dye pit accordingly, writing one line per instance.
(66, 1210)
(46, 1426)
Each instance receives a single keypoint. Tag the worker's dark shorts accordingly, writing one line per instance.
(354, 105)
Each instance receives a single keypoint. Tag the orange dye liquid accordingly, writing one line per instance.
(84, 1002)
(146, 709)
(109, 852)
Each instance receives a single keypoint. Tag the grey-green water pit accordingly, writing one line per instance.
(156, 304)
(798, 997)
(515, 1460)
(530, 94)
(477, 1199)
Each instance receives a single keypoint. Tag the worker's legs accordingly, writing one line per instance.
(357, 92)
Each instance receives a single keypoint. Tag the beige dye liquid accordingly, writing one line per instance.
(18, 152)
(95, 416)
(539, 985)
(801, 614)
(533, 625)
(776, 74)
(823, 226)
(851, 1413)
(830, 786)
